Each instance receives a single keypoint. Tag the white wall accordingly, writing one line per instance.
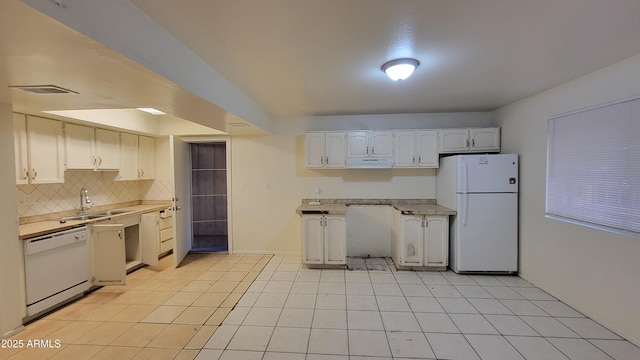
(592, 270)
(264, 220)
(12, 302)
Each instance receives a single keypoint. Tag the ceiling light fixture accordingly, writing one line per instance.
(152, 111)
(400, 69)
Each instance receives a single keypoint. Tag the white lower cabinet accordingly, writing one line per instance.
(420, 240)
(121, 245)
(324, 239)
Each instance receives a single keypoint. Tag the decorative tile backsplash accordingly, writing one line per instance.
(103, 190)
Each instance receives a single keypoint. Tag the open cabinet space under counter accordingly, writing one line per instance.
(414, 233)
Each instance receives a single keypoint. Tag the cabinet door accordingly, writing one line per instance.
(46, 150)
(78, 142)
(107, 145)
(314, 150)
(312, 239)
(357, 144)
(20, 145)
(335, 245)
(146, 157)
(149, 238)
(453, 140)
(485, 139)
(334, 150)
(427, 148)
(411, 240)
(436, 242)
(405, 154)
(381, 144)
(128, 157)
(109, 259)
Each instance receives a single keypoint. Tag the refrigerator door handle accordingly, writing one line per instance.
(464, 174)
(463, 208)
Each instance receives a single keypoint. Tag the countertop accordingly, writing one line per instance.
(339, 206)
(49, 226)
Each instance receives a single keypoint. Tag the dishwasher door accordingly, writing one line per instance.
(56, 268)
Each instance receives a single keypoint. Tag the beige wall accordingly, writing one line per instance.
(593, 270)
(269, 179)
(12, 301)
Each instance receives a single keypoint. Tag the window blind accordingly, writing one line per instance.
(593, 166)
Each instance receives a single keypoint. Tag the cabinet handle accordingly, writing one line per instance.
(120, 234)
(473, 142)
(419, 159)
(94, 160)
(35, 174)
(367, 149)
(326, 160)
(467, 142)
(142, 173)
(414, 159)
(373, 150)
(26, 174)
(99, 160)
(322, 160)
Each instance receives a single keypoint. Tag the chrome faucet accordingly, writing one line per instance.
(85, 202)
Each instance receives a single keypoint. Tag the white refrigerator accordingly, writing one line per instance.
(483, 189)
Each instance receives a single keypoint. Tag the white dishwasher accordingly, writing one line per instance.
(56, 268)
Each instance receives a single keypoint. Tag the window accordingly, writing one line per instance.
(593, 167)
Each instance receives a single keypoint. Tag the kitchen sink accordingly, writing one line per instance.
(94, 215)
(82, 217)
(111, 212)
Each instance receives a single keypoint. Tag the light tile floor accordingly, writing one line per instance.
(289, 312)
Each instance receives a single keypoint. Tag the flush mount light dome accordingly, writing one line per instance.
(400, 69)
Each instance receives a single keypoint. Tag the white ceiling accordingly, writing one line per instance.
(323, 57)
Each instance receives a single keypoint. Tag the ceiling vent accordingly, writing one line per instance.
(44, 89)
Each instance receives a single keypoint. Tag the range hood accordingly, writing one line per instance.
(370, 163)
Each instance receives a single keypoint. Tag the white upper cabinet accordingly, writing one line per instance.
(381, 143)
(107, 149)
(39, 150)
(324, 150)
(138, 157)
(146, 157)
(129, 169)
(91, 149)
(485, 139)
(416, 148)
(78, 142)
(369, 144)
(453, 140)
(357, 144)
(469, 140)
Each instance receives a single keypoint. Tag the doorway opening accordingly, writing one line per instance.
(209, 220)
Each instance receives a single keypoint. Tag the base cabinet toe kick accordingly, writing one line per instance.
(418, 237)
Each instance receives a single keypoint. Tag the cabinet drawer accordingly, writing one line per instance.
(166, 245)
(166, 234)
(165, 223)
